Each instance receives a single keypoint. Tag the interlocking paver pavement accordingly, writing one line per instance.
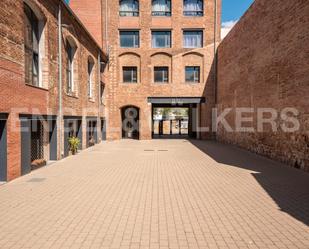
(157, 194)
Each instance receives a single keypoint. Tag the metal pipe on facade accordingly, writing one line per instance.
(60, 79)
(215, 50)
(99, 93)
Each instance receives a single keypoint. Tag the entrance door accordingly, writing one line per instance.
(3, 151)
(72, 127)
(130, 122)
(170, 121)
(103, 129)
(52, 139)
(25, 126)
(92, 137)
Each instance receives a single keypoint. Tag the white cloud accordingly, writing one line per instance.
(226, 27)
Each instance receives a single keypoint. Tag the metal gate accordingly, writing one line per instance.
(37, 134)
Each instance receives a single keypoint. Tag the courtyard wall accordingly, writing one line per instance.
(263, 63)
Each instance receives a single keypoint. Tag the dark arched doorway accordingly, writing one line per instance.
(130, 122)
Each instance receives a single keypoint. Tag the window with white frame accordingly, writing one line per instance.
(129, 74)
(70, 53)
(102, 88)
(90, 83)
(192, 74)
(32, 50)
(129, 39)
(161, 39)
(160, 74)
(161, 8)
(128, 8)
(193, 7)
(193, 39)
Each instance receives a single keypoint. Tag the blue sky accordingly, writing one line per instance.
(234, 9)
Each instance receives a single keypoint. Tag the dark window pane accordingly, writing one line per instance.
(161, 39)
(129, 8)
(28, 66)
(35, 71)
(102, 87)
(161, 74)
(70, 55)
(90, 67)
(192, 39)
(193, 7)
(129, 39)
(130, 74)
(161, 8)
(193, 74)
(31, 44)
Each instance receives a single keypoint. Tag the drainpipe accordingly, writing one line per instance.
(60, 78)
(99, 96)
(106, 27)
(215, 57)
(215, 51)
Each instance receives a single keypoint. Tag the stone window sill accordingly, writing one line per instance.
(192, 82)
(91, 99)
(72, 95)
(37, 87)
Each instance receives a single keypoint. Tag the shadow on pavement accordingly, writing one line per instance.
(287, 186)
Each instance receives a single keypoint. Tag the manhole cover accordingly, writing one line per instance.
(37, 180)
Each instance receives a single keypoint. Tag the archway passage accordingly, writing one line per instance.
(171, 122)
(130, 122)
(175, 117)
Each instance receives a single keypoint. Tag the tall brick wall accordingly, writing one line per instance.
(90, 13)
(263, 63)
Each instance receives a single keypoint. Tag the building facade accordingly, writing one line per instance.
(44, 102)
(161, 54)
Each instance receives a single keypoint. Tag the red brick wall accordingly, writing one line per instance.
(18, 98)
(263, 63)
(90, 13)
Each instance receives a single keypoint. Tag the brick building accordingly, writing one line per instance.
(34, 123)
(161, 54)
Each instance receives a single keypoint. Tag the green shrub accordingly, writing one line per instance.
(74, 144)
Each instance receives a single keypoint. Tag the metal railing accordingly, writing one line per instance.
(161, 13)
(129, 13)
(193, 13)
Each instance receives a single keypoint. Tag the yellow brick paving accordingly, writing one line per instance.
(157, 194)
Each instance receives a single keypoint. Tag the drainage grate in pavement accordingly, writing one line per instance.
(37, 180)
(148, 150)
(162, 150)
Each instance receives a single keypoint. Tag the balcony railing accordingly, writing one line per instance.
(161, 13)
(193, 13)
(129, 13)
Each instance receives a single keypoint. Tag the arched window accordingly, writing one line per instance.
(161, 8)
(90, 76)
(32, 51)
(193, 7)
(70, 52)
(128, 8)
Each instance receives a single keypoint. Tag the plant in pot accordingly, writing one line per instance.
(73, 144)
